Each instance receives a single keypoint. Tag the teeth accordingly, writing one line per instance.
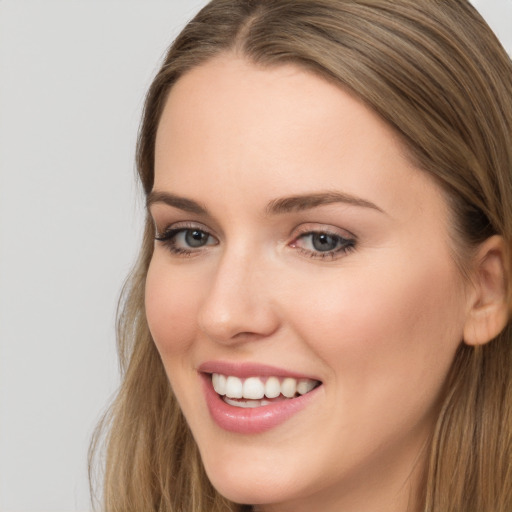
(289, 387)
(272, 387)
(250, 404)
(219, 383)
(256, 388)
(234, 387)
(253, 388)
(305, 386)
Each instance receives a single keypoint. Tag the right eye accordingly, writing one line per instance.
(186, 241)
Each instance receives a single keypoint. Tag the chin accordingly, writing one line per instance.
(251, 485)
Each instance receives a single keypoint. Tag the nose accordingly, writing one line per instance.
(239, 305)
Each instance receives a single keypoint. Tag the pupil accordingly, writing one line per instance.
(323, 242)
(196, 238)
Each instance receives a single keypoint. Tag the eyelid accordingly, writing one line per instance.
(345, 240)
(312, 227)
(173, 226)
(170, 237)
(347, 244)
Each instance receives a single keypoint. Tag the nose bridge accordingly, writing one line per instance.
(239, 303)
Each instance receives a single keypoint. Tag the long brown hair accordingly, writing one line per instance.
(435, 72)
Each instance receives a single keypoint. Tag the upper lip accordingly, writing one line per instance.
(248, 369)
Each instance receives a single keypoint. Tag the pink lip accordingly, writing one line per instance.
(244, 370)
(255, 420)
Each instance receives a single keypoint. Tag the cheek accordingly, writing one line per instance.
(170, 308)
(387, 337)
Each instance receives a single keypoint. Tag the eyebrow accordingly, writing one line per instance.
(307, 201)
(182, 203)
(274, 207)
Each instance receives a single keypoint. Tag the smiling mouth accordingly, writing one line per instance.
(254, 392)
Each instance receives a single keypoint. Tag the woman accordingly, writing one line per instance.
(318, 319)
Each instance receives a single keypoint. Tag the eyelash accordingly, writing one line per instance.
(346, 245)
(168, 239)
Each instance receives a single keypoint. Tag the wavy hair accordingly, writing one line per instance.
(435, 72)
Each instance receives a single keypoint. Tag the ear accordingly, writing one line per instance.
(489, 299)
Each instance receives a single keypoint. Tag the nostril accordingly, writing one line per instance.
(237, 307)
(240, 325)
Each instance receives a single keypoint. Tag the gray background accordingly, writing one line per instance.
(73, 74)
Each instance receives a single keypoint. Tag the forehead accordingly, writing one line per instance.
(231, 94)
(284, 129)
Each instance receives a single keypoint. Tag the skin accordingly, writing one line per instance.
(378, 325)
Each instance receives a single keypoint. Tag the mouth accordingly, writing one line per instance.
(260, 391)
(250, 398)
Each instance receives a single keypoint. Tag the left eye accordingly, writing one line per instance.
(322, 243)
(193, 238)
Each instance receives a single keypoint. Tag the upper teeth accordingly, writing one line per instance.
(256, 388)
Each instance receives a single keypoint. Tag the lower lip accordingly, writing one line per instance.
(252, 420)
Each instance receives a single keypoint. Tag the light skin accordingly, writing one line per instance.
(377, 319)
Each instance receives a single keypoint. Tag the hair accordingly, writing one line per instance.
(436, 73)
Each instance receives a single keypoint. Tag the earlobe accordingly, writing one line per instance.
(489, 300)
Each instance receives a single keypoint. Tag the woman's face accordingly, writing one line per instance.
(299, 246)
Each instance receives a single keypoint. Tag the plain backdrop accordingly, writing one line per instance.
(73, 74)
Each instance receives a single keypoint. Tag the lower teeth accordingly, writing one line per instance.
(246, 404)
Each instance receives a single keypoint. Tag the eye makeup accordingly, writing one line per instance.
(321, 243)
(186, 239)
